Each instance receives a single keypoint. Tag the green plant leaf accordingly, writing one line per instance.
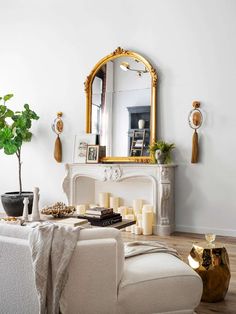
(9, 113)
(10, 148)
(7, 97)
(2, 110)
(26, 106)
(6, 134)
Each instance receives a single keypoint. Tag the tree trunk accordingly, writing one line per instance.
(18, 154)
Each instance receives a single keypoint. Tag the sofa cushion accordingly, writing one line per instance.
(14, 231)
(106, 233)
(19, 232)
(154, 278)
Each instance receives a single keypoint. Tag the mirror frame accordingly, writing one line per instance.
(120, 52)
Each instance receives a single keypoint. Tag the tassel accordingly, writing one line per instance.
(58, 150)
(194, 159)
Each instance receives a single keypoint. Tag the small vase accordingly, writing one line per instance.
(141, 124)
(160, 156)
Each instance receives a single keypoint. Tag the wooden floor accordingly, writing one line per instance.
(182, 242)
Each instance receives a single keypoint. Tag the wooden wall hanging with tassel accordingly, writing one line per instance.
(195, 121)
(57, 127)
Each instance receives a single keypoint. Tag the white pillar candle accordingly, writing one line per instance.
(133, 229)
(130, 217)
(147, 218)
(137, 205)
(130, 211)
(92, 205)
(103, 198)
(137, 230)
(81, 209)
(139, 220)
(114, 203)
(123, 211)
(147, 208)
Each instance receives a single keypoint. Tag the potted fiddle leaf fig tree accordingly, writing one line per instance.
(14, 131)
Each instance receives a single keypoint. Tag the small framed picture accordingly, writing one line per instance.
(95, 153)
(81, 143)
(92, 154)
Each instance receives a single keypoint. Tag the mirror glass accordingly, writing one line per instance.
(121, 106)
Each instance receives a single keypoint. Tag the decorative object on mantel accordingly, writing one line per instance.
(195, 120)
(81, 143)
(57, 127)
(95, 153)
(58, 210)
(162, 151)
(14, 131)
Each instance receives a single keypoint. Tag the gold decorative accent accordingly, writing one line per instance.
(211, 262)
(57, 127)
(195, 121)
(120, 52)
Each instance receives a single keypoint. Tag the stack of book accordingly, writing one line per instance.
(102, 217)
(73, 222)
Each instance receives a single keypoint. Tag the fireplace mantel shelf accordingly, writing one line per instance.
(161, 177)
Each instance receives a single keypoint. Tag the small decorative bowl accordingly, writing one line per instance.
(58, 210)
(12, 221)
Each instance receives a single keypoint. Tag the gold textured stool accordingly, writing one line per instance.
(211, 262)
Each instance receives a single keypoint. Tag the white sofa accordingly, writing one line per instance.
(100, 280)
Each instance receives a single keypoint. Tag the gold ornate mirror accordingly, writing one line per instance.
(121, 106)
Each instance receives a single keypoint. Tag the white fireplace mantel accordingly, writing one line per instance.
(161, 178)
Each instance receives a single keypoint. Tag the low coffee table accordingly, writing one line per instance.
(118, 225)
(122, 224)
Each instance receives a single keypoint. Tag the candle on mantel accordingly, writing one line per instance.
(123, 211)
(133, 229)
(81, 209)
(147, 208)
(137, 205)
(92, 205)
(137, 230)
(130, 217)
(147, 218)
(130, 211)
(103, 199)
(139, 220)
(114, 203)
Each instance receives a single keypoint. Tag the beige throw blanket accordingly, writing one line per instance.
(145, 247)
(52, 247)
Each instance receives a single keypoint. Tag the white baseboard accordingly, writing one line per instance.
(203, 230)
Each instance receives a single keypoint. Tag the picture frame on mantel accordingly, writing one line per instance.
(95, 153)
(81, 143)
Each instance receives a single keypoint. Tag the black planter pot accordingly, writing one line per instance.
(13, 203)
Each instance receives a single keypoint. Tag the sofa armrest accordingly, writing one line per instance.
(92, 284)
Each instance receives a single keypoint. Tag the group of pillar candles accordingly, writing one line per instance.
(142, 213)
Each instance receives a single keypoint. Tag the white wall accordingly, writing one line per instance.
(49, 47)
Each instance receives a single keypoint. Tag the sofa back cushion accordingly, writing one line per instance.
(20, 232)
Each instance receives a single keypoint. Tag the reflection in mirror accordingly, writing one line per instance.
(121, 102)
